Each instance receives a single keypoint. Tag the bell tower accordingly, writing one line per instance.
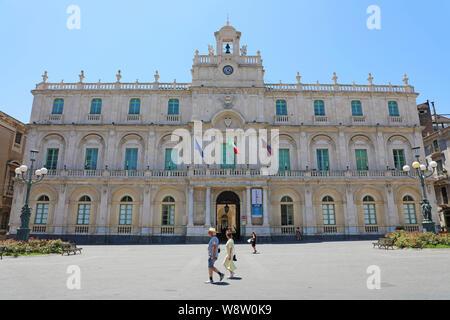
(227, 41)
(228, 65)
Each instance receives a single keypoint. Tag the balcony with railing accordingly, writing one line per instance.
(133, 117)
(193, 173)
(281, 119)
(358, 119)
(173, 118)
(395, 120)
(94, 118)
(320, 119)
(55, 117)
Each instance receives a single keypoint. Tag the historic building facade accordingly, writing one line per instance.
(112, 177)
(12, 146)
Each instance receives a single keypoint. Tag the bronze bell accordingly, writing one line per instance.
(228, 48)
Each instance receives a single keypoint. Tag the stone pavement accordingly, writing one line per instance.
(326, 270)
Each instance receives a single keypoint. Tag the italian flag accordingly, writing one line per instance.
(231, 144)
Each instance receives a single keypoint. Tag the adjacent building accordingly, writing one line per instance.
(12, 146)
(112, 176)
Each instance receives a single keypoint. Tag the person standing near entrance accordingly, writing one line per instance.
(213, 254)
(253, 241)
(229, 259)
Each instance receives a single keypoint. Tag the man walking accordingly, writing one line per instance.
(213, 253)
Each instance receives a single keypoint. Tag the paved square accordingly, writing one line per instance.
(328, 270)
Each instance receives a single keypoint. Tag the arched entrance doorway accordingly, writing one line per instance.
(228, 214)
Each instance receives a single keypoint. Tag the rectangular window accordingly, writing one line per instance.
(90, 162)
(41, 213)
(131, 159)
(58, 105)
(281, 108)
(322, 159)
(18, 138)
(393, 109)
(135, 106)
(171, 159)
(284, 161)
(328, 214)
(287, 215)
(361, 159)
(356, 108)
(84, 212)
(52, 158)
(410, 213)
(126, 211)
(444, 196)
(319, 108)
(168, 214)
(96, 106)
(370, 217)
(173, 107)
(399, 159)
(228, 156)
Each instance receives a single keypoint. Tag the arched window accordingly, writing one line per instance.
(328, 211)
(135, 106)
(126, 211)
(174, 107)
(319, 108)
(370, 216)
(281, 108)
(287, 211)
(357, 108)
(58, 106)
(42, 210)
(96, 106)
(168, 211)
(393, 109)
(84, 210)
(409, 210)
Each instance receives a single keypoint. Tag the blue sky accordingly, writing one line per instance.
(315, 38)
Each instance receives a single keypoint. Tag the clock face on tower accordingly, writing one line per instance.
(228, 70)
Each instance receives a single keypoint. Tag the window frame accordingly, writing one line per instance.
(281, 107)
(319, 108)
(96, 106)
(356, 106)
(133, 104)
(58, 106)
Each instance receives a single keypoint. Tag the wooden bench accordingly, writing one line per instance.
(70, 248)
(385, 243)
(2, 249)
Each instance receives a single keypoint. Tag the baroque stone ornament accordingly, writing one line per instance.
(228, 122)
(228, 100)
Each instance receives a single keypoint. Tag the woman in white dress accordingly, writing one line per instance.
(229, 261)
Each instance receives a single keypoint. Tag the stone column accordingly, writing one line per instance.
(145, 215)
(208, 207)
(350, 216)
(391, 217)
(103, 210)
(265, 209)
(59, 215)
(310, 226)
(249, 208)
(191, 207)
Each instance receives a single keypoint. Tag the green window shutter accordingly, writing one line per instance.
(131, 159)
(58, 106)
(356, 108)
(90, 162)
(170, 164)
(284, 159)
(228, 156)
(281, 108)
(319, 108)
(96, 106)
(287, 214)
(399, 159)
(135, 106)
(323, 163)
(361, 159)
(173, 108)
(52, 158)
(393, 109)
(168, 214)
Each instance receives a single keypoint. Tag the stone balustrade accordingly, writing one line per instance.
(229, 172)
(210, 59)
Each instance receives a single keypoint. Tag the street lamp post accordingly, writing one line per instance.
(423, 172)
(26, 176)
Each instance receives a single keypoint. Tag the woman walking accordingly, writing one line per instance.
(229, 259)
(253, 241)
